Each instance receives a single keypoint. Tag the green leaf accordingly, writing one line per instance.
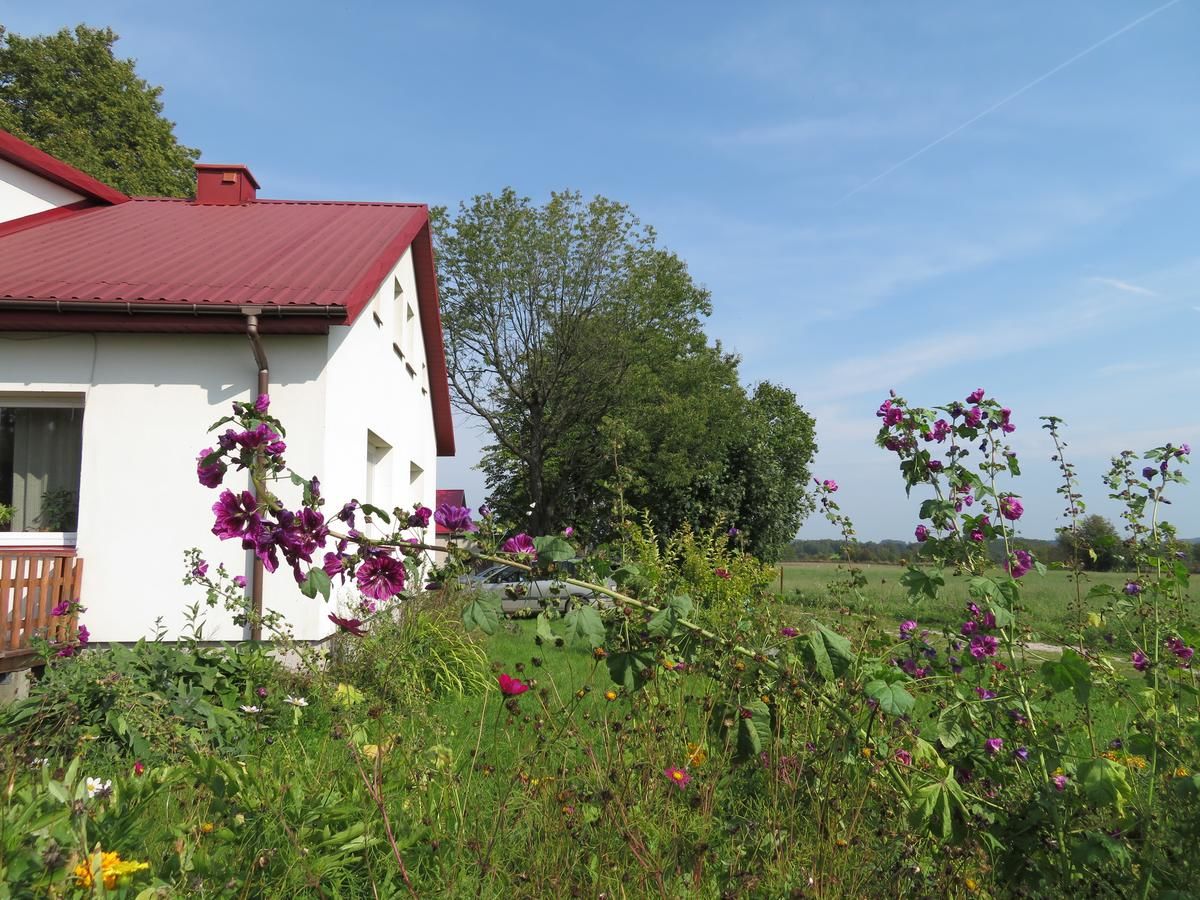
(1014, 468)
(544, 631)
(483, 612)
(827, 653)
(626, 573)
(747, 727)
(950, 730)
(665, 622)
(938, 808)
(893, 699)
(370, 510)
(1069, 672)
(1004, 618)
(1105, 783)
(552, 548)
(919, 582)
(628, 669)
(317, 582)
(584, 623)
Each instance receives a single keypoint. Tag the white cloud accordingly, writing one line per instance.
(1125, 286)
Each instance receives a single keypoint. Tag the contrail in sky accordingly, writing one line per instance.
(1013, 96)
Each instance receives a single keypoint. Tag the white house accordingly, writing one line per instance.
(129, 324)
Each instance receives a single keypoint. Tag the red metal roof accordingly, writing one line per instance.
(272, 252)
(93, 265)
(30, 158)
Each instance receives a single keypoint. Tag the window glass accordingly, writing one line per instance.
(41, 452)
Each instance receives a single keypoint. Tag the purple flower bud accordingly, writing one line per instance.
(993, 745)
(975, 396)
(1149, 472)
(921, 533)
(262, 404)
(1132, 588)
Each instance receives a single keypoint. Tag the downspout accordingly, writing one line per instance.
(264, 383)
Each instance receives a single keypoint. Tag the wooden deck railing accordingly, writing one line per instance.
(32, 583)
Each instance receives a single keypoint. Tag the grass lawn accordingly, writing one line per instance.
(1048, 600)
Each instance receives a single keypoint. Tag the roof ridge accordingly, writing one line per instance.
(285, 202)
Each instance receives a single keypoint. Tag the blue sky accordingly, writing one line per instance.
(1047, 251)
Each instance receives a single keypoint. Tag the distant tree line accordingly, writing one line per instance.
(1096, 544)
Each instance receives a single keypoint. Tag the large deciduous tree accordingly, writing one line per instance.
(578, 343)
(69, 95)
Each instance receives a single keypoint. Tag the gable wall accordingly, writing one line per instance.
(22, 193)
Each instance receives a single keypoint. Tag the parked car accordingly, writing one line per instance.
(520, 593)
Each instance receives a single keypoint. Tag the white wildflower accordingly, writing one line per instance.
(251, 710)
(96, 786)
(295, 701)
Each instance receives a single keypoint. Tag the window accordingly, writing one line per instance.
(379, 475)
(41, 452)
(398, 321)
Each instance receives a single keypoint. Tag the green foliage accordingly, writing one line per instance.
(67, 94)
(1095, 543)
(415, 652)
(578, 343)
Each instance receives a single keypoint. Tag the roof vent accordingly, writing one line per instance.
(224, 185)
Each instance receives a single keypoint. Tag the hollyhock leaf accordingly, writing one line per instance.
(1004, 618)
(1014, 468)
(1069, 672)
(1105, 783)
(544, 631)
(665, 622)
(482, 613)
(369, 510)
(552, 548)
(584, 623)
(982, 587)
(893, 699)
(938, 809)
(950, 730)
(626, 573)
(918, 582)
(827, 653)
(317, 582)
(628, 669)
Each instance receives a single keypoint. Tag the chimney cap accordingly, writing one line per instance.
(240, 168)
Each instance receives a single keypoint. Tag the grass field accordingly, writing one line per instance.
(1048, 600)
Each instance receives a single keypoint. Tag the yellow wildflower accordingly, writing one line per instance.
(971, 884)
(610, 695)
(697, 755)
(207, 828)
(1181, 772)
(867, 751)
(113, 870)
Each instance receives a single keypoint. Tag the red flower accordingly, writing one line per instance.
(354, 626)
(139, 767)
(511, 687)
(722, 573)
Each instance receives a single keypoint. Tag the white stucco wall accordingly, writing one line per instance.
(148, 402)
(22, 193)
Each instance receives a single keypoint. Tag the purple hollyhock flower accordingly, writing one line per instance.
(213, 474)
(353, 626)
(903, 757)
(830, 485)
(989, 620)
(1132, 588)
(1020, 563)
(454, 518)
(1184, 450)
(985, 694)
(228, 440)
(969, 627)
(420, 517)
(975, 396)
(519, 543)
(1018, 717)
(239, 580)
(200, 569)
(262, 404)
(983, 645)
(260, 438)
(381, 577)
(907, 627)
(935, 465)
(237, 516)
(1060, 782)
(993, 745)
(85, 636)
(921, 533)
(334, 564)
(61, 609)
(974, 417)
(1021, 754)
(1011, 508)
(789, 631)
(569, 531)
(733, 532)
(1149, 472)
(941, 430)
(977, 535)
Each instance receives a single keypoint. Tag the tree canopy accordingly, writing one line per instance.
(69, 95)
(578, 342)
